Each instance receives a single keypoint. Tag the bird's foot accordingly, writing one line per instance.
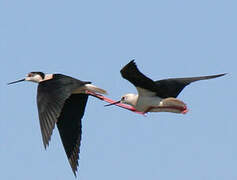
(184, 111)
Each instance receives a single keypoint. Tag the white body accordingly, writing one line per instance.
(147, 101)
(144, 102)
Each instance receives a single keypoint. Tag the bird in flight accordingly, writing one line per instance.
(155, 96)
(62, 100)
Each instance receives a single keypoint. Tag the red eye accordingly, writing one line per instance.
(30, 75)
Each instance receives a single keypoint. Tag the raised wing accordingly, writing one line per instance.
(172, 87)
(69, 126)
(51, 97)
(134, 76)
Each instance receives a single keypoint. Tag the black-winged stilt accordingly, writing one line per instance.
(62, 100)
(155, 96)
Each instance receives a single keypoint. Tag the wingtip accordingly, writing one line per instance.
(74, 167)
(132, 62)
(130, 65)
(219, 75)
(224, 74)
(75, 173)
(208, 77)
(46, 145)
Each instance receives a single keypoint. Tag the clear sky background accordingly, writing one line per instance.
(93, 40)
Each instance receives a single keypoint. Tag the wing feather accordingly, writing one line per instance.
(173, 86)
(69, 126)
(50, 100)
(163, 88)
(134, 76)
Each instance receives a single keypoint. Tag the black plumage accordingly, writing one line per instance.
(69, 126)
(50, 100)
(173, 86)
(163, 88)
(57, 104)
(138, 79)
(62, 100)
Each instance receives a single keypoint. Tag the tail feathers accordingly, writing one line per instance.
(95, 89)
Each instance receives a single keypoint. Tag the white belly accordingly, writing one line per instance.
(144, 102)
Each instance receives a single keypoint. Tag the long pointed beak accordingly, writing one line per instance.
(113, 103)
(16, 81)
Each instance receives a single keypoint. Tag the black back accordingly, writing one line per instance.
(163, 88)
(69, 126)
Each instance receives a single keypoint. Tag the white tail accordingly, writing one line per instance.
(95, 89)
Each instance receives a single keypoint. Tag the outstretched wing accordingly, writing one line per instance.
(51, 97)
(69, 126)
(172, 87)
(134, 76)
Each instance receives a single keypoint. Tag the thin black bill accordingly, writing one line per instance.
(16, 81)
(113, 103)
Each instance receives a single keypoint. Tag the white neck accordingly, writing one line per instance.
(131, 99)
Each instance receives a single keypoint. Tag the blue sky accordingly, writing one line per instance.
(93, 40)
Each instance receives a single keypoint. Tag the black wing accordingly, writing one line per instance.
(172, 87)
(69, 126)
(134, 76)
(51, 97)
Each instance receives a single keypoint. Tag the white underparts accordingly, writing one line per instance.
(169, 105)
(144, 102)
